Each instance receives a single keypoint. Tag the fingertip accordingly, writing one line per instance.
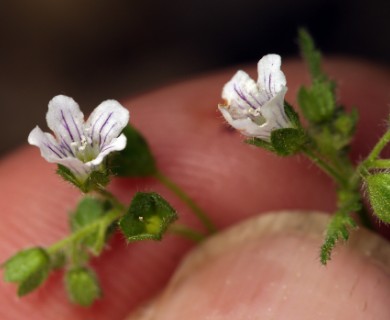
(268, 268)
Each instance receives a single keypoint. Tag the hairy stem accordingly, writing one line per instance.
(103, 223)
(342, 181)
(374, 154)
(199, 213)
(187, 232)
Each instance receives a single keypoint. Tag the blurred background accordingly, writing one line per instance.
(98, 49)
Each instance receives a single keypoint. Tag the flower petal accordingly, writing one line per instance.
(116, 144)
(106, 122)
(271, 79)
(242, 94)
(50, 150)
(245, 125)
(273, 112)
(65, 119)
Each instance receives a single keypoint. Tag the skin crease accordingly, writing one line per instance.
(195, 148)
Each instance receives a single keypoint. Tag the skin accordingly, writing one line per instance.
(195, 148)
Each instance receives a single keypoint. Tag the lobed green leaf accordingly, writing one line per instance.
(338, 229)
(317, 102)
(311, 55)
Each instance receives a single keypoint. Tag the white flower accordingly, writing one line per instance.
(78, 145)
(257, 108)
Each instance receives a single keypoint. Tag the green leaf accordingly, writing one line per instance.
(82, 286)
(88, 211)
(311, 55)
(148, 217)
(338, 229)
(287, 141)
(136, 160)
(317, 102)
(378, 187)
(29, 268)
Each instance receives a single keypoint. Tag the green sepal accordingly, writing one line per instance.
(136, 160)
(28, 268)
(378, 187)
(287, 141)
(317, 102)
(292, 115)
(260, 143)
(82, 286)
(67, 175)
(147, 218)
(338, 229)
(96, 180)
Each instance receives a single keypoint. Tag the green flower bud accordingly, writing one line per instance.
(147, 218)
(28, 268)
(378, 187)
(82, 286)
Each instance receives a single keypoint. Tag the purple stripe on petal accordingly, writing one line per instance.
(66, 125)
(93, 128)
(257, 101)
(66, 146)
(242, 96)
(77, 128)
(106, 135)
(60, 150)
(101, 128)
(52, 150)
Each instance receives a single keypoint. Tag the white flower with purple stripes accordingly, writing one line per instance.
(257, 108)
(81, 146)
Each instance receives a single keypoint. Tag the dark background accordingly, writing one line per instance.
(94, 49)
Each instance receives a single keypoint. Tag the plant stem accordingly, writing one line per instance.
(325, 167)
(108, 195)
(379, 164)
(187, 232)
(105, 221)
(378, 148)
(199, 213)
